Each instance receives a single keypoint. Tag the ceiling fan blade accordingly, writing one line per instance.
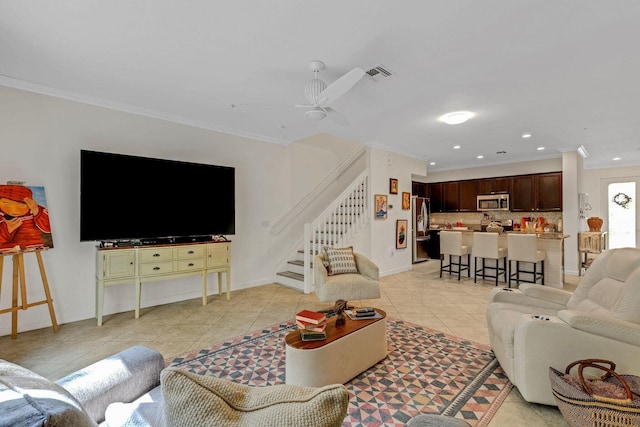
(338, 88)
(247, 104)
(336, 117)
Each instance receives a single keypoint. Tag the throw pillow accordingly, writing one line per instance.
(341, 260)
(191, 399)
(28, 399)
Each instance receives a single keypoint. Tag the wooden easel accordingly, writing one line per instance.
(20, 283)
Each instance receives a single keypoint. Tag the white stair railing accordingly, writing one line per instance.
(337, 224)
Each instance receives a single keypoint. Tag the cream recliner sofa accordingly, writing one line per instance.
(537, 327)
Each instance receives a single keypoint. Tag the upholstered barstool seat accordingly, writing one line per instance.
(486, 247)
(523, 249)
(451, 246)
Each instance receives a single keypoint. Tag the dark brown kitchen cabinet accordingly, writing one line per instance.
(537, 193)
(436, 197)
(451, 192)
(549, 192)
(494, 185)
(468, 195)
(502, 185)
(419, 189)
(522, 194)
(485, 186)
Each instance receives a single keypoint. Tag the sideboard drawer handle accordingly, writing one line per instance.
(190, 264)
(190, 252)
(156, 254)
(156, 268)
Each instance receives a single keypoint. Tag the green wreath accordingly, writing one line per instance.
(622, 200)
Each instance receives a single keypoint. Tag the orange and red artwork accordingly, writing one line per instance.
(24, 219)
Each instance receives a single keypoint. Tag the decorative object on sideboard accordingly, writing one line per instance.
(595, 223)
(339, 308)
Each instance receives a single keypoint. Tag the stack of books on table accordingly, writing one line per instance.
(312, 325)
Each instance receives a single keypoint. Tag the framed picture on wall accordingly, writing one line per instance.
(401, 233)
(393, 186)
(381, 206)
(406, 201)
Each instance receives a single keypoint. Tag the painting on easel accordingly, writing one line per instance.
(24, 219)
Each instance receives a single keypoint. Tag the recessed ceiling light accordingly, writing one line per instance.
(432, 163)
(480, 157)
(456, 117)
(540, 148)
(456, 147)
(617, 158)
(526, 135)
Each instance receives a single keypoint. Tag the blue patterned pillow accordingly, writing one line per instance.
(341, 260)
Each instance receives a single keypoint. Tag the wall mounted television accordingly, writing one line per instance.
(148, 200)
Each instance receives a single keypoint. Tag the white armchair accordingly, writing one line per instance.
(354, 286)
(535, 327)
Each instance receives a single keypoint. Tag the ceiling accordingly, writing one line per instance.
(567, 72)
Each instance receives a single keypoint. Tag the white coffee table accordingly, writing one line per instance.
(347, 351)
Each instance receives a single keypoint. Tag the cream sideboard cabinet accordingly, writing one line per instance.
(137, 265)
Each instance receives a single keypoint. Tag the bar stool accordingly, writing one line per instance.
(451, 245)
(523, 248)
(485, 246)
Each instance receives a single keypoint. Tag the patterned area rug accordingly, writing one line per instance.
(426, 371)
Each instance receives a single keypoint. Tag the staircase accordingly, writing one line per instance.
(335, 226)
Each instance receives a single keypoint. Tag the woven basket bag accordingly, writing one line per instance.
(581, 407)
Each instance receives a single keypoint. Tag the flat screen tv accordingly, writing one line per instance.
(126, 197)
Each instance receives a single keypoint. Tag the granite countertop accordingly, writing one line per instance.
(543, 235)
(540, 235)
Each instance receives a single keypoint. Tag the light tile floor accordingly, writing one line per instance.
(418, 296)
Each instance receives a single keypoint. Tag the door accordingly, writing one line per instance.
(622, 216)
(118, 263)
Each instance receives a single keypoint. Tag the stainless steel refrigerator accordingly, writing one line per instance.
(420, 211)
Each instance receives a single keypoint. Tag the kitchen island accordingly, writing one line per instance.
(551, 243)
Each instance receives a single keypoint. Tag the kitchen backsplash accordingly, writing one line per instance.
(473, 219)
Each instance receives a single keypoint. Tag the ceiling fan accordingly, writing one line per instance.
(320, 96)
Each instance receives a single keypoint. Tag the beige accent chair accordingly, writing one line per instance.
(536, 327)
(349, 287)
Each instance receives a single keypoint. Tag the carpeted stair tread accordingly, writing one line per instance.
(292, 275)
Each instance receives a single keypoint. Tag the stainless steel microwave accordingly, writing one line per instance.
(493, 202)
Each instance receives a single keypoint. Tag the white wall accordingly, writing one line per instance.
(41, 141)
(313, 158)
(572, 175)
(593, 185)
(382, 166)
(522, 168)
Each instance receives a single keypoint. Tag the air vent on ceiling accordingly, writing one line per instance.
(379, 72)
